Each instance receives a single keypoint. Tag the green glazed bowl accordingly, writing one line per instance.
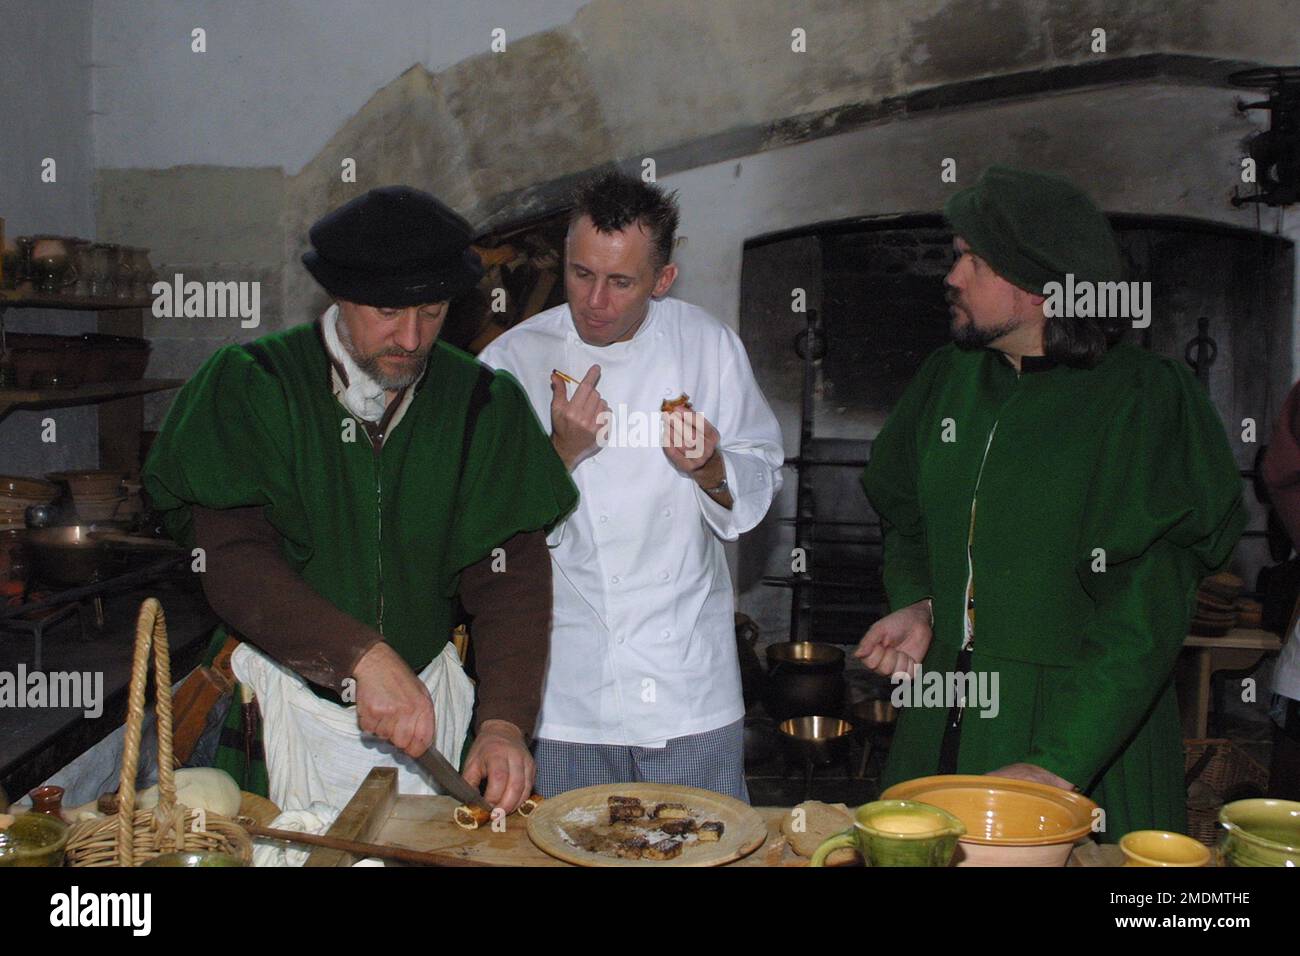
(898, 833)
(33, 839)
(1260, 833)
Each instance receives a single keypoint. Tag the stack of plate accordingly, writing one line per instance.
(1216, 605)
(17, 494)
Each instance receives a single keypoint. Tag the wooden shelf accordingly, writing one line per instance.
(11, 398)
(1239, 638)
(25, 297)
(1242, 648)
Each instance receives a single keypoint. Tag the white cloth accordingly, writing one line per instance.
(316, 753)
(314, 819)
(363, 397)
(643, 645)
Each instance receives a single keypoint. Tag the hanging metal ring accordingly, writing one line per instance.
(818, 347)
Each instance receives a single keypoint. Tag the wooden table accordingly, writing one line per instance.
(1239, 649)
(379, 814)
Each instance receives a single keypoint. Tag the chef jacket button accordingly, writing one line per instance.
(668, 512)
(663, 575)
(666, 633)
(614, 579)
(604, 518)
(621, 639)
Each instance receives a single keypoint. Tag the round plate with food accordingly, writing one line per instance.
(646, 824)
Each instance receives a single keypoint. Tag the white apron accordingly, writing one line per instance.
(316, 753)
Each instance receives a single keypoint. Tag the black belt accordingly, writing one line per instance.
(951, 744)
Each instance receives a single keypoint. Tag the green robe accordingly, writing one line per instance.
(1126, 462)
(382, 534)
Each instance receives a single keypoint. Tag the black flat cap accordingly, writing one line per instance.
(393, 247)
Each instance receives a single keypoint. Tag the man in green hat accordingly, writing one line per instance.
(348, 480)
(1050, 501)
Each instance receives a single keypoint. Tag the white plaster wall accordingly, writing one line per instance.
(1102, 139)
(279, 76)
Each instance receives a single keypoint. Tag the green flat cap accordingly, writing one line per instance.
(1033, 228)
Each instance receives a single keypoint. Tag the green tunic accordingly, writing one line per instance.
(1126, 462)
(383, 533)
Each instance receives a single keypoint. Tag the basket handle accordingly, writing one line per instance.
(150, 630)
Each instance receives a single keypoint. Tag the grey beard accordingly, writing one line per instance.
(370, 364)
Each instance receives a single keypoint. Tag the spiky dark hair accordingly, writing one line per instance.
(614, 200)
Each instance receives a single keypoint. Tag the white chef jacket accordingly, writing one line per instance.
(643, 645)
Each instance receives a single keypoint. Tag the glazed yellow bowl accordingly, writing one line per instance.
(1162, 848)
(1008, 822)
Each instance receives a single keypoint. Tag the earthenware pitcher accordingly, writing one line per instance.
(898, 833)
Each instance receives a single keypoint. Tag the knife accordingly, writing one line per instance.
(449, 780)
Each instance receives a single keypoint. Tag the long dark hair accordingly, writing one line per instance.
(1080, 342)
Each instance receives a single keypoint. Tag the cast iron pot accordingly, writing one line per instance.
(804, 678)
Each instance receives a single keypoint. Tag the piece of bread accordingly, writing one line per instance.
(665, 849)
(632, 848)
(679, 827)
(670, 811)
(625, 809)
(470, 818)
(711, 831)
(672, 404)
(815, 823)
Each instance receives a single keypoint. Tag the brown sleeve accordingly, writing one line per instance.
(511, 631)
(257, 593)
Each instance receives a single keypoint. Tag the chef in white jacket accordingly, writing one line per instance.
(643, 682)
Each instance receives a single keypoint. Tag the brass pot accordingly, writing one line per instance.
(820, 741)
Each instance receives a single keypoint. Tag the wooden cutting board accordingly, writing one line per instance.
(377, 813)
(553, 824)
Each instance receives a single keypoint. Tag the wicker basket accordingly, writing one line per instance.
(169, 827)
(1227, 767)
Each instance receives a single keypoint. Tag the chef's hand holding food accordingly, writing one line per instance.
(500, 754)
(897, 643)
(575, 422)
(392, 703)
(691, 443)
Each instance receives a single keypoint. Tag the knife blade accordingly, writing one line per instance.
(449, 780)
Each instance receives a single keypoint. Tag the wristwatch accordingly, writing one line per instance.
(717, 489)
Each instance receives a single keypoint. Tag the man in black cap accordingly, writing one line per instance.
(1106, 490)
(348, 480)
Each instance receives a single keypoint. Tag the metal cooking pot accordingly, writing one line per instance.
(84, 554)
(804, 678)
(821, 741)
